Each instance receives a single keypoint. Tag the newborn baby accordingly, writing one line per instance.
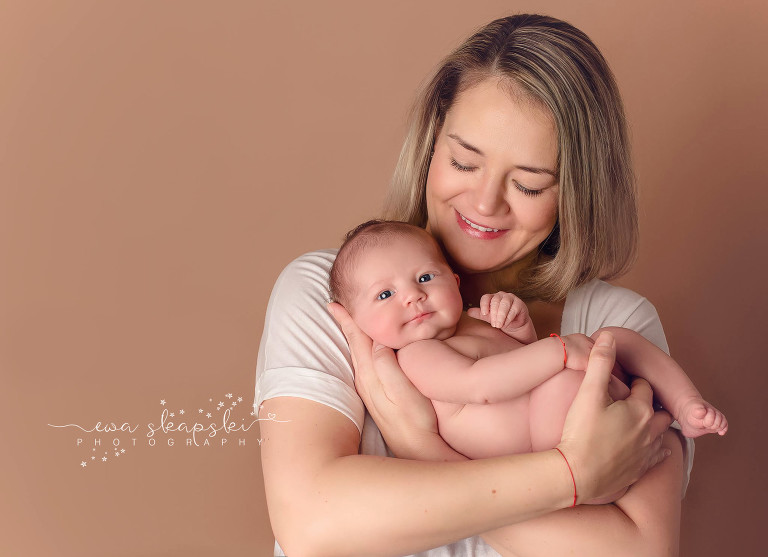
(495, 388)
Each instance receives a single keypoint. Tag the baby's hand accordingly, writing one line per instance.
(577, 347)
(697, 417)
(502, 310)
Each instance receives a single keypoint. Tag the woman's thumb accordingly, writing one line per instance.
(598, 372)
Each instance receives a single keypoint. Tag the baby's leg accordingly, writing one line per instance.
(549, 404)
(671, 386)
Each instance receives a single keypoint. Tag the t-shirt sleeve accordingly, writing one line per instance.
(303, 352)
(599, 304)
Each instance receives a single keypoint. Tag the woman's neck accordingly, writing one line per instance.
(546, 316)
(474, 285)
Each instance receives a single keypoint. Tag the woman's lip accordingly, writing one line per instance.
(474, 232)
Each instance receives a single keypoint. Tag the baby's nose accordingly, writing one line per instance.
(415, 294)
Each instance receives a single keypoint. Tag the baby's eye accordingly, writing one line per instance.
(384, 295)
(426, 277)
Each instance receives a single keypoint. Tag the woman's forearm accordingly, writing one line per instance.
(325, 499)
(644, 522)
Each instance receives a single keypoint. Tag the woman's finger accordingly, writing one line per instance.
(660, 423)
(641, 390)
(360, 344)
(360, 347)
(598, 372)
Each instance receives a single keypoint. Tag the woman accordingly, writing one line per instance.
(517, 162)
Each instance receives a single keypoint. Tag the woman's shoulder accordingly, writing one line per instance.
(311, 264)
(600, 296)
(306, 275)
(599, 304)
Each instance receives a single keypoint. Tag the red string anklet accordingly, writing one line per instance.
(565, 352)
(572, 478)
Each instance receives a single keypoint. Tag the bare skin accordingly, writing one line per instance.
(496, 390)
(391, 394)
(408, 506)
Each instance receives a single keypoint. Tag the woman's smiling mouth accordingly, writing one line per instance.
(476, 230)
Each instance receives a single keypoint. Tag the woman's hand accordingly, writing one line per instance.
(405, 417)
(611, 445)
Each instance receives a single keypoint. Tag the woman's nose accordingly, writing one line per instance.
(489, 196)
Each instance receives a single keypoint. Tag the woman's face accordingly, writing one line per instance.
(492, 188)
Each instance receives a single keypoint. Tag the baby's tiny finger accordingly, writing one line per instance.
(485, 304)
(495, 309)
(511, 316)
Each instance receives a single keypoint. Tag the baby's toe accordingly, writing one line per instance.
(699, 412)
(710, 418)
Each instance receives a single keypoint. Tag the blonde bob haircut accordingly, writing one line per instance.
(558, 67)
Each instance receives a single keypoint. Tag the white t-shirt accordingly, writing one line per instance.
(304, 354)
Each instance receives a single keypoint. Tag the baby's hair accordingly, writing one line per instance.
(370, 234)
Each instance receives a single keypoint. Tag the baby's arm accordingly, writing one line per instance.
(672, 387)
(442, 373)
(507, 312)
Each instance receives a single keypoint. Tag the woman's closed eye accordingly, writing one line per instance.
(426, 277)
(460, 167)
(526, 191)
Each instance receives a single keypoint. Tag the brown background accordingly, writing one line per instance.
(160, 162)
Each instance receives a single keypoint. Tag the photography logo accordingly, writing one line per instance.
(220, 423)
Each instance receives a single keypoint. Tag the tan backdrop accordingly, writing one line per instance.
(161, 161)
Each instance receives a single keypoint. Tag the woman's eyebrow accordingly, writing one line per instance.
(466, 145)
(538, 170)
(470, 147)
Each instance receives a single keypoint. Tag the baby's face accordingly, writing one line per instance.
(404, 291)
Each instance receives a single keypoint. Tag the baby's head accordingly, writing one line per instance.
(394, 281)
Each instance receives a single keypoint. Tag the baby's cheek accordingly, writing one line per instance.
(383, 333)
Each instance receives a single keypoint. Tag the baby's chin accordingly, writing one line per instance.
(402, 343)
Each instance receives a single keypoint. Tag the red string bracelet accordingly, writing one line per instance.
(572, 478)
(565, 352)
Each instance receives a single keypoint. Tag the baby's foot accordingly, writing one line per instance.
(698, 417)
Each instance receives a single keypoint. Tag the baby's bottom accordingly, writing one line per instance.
(549, 404)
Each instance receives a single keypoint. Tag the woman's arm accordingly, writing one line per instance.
(644, 522)
(325, 499)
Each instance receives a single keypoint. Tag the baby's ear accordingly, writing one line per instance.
(458, 281)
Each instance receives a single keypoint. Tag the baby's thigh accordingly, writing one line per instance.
(549, 404)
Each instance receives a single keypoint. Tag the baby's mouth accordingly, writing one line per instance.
(420, 317)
